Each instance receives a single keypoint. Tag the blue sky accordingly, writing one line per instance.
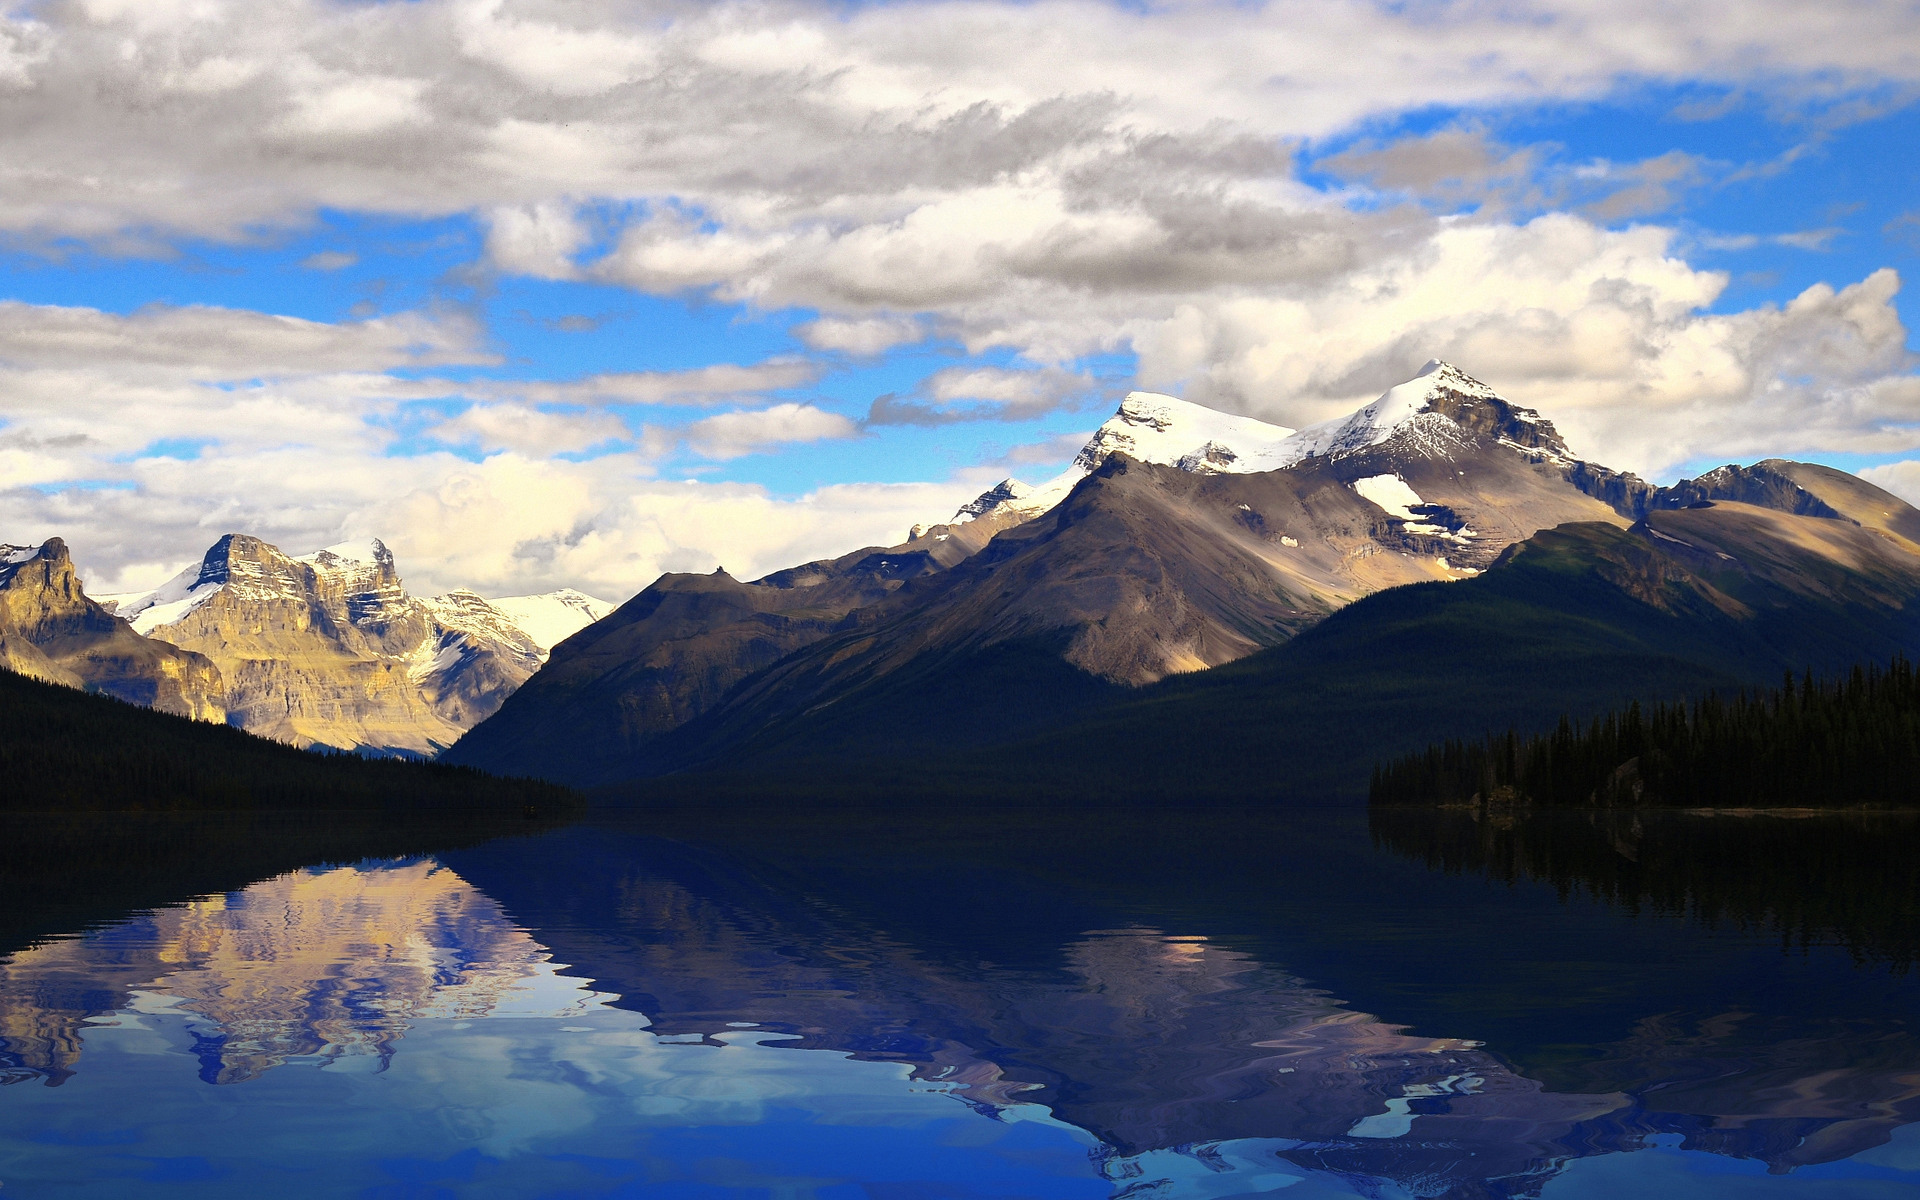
(582, 292)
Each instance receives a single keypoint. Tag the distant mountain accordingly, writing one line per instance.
(51, 631)
(553, 617)
(330, 649)
(1180, 540)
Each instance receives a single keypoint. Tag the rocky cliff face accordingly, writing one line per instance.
(51, 630)
(329, 649)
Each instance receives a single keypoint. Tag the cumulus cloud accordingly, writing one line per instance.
(732, 434)
(536, 239)
(696, 385)
(864, 337)
(220, 118)
(208, 342)
(330, 260)
(529, 430)
(957, 394)
(1900, 478)
(1603, 330)
(507, 525)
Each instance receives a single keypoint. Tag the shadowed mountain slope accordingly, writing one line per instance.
(1577, 620)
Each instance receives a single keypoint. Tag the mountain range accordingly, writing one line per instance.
(1201, 606)
(1210, 605)
(326, 649)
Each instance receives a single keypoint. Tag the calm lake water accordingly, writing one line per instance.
(1046, 1006)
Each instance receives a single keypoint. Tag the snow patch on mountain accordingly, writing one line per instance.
(1160, 429)
(168, 603)
(371, 552)
(1392, 495)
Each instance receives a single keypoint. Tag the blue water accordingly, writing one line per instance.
(1052, 1008)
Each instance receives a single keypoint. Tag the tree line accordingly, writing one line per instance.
(1851, 741)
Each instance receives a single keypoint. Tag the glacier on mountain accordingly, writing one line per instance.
(552, 617)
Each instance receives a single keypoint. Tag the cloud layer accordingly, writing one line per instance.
(1032, 184)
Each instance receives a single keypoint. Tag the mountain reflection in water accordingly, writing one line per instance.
(1046, 1007)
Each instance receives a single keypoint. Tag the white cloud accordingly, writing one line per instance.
(696, 385)
(508, 525)
(864, 337)
(529, 430)
(1900, 478)
(198, 341)
(733, 434)
(982, 393)
(330, 260)
(1603, 331)
(536, 239)
(781, 120)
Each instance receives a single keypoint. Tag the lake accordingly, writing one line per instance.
(1073, 1004)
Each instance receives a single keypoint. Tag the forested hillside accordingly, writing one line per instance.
(63, 750)
(1852, 741)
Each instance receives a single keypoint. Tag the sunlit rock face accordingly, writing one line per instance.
(329, 649)
(314, 964)
(51, 630)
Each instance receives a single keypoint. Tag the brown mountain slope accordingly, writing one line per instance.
(50, 630)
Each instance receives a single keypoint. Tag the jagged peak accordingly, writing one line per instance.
(1000, 493)
(13, 558)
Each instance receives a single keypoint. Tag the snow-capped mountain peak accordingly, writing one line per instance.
(1161, 429)
(1435, 411)
(1148, 427)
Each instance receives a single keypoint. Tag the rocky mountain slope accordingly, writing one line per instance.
(329, 648)
(50, 630)
(1181, 539)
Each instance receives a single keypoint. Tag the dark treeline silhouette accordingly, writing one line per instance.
(63, 750)
(1845, 878)
(1847, 742)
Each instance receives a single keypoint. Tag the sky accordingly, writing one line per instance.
(568, 293)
